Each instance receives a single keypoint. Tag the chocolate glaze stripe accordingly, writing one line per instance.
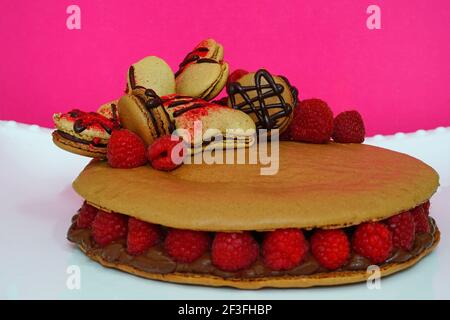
(179, 112)
(207, 60)
(82, 141)
(178, 103)
(114, 113)
(152, 104)
(266, 95)
(202, 49)
(79, 125)
(132, 78)
(190, 57)
(151, 115)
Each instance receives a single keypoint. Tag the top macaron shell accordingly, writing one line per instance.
(151, 73)
(202, 80)
(65, 123)
(203, 73)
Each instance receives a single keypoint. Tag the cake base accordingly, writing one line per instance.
(304, 281)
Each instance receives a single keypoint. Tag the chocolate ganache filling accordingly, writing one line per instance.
(156, 260)
(78, 140)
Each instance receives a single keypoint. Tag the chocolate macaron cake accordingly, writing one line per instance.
(331, 209)
(310, 193)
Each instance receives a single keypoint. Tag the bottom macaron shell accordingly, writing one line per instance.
(305, 281)
(78, 148)
(156, 264)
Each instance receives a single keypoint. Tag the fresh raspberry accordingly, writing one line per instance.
(349, 127)
(426, 207)
(186, 245)
(286, 135)
(234, 251)
(373, 240)
(86, 215)
(420, 219)
(331, 248)
(403, 230)
(108, 226)
(160, 153)
(312, 122)
(283, 249)
(125, 150)
(141, 236)
(236, 75)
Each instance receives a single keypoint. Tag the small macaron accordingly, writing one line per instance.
(151, 73)
(142, 112)
(269, 100)
(221, 126)
(83, 133)
(203, 73)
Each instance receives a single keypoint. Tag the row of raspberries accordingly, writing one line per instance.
(282, 249)
(313, 122)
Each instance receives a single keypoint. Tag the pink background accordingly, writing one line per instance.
(398, 77)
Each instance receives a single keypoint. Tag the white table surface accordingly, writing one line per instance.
(37, 203)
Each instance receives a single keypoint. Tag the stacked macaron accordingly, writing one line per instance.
(84, 133)
(203, 73)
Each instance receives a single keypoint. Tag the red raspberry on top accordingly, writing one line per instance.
(403, 230)
(426, 207)
(349, 127)
(141, 236)
(186, 245)
(160, 153)
(420, 219)
(125, 150)
(373, 240)
(234, 251)
(284, 249)
(86, 215)
(312, 122)
(108, 226)
(331, 248)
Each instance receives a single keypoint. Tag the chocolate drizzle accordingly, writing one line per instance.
(114, 113)
(94, 143)
(192, 57)
(151, 103)
(177, 103)
(207, 60)
(179, 112)
(257, 105)
(83, 120)
(132, 78)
